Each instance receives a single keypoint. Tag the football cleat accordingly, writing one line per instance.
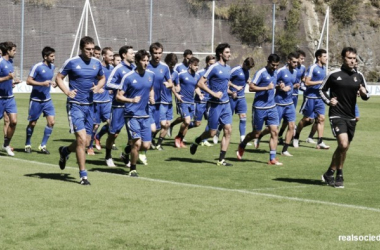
(43, 149)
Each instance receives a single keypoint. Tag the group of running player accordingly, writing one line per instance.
(137, 92)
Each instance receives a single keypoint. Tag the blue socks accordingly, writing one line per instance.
(242, 126)
(29, 133)
(47, 133)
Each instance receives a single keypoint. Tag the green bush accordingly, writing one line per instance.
(344, 11)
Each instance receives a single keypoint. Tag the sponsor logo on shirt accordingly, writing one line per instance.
(123, 72)
(220, 72)
(186, 78)
(78, 67)
(134, 81)
(43, 71)
(339, 78)
(286, 75)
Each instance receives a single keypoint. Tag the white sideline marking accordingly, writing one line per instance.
(225, 189)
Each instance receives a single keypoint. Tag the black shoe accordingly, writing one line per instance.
(125, 158)
(193, 148)
(62, 158)
(339, 181)
(84, 181)
(328, 179)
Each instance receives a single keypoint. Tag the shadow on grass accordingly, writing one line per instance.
(245, 160)
(96, 162)
(64, 140)
(116, 170)
(189, 160)
(301, 181)
(53, 176)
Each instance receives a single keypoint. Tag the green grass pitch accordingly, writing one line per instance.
(182, 201)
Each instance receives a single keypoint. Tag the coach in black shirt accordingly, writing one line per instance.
(344, 85)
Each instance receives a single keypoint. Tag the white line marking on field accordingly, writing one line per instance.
(283, 187)
(224, 189)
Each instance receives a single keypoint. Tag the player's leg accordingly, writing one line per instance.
(49, 113)
(273, 123)
(289, 116)
(320, 110)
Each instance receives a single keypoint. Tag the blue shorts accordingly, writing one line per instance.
(37, 108)
(186, 110)
(295, 100)
(116, 120)
(138, 128)
(102, 111)
(8, 106)
(312, 107)
(238, 106)
(166, 112)
(287, 112)
(154, 114)
(201, 111)
(80, 117)
(259, 116)
(219, 113)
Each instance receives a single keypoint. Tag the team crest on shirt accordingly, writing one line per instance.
(94, 67)
(336, 129)
(161, 71)
(149, 79)
(355, 79)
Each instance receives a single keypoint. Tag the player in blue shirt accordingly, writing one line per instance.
(301, 71)
(161, 81)
(83, 71)
(181, 67)
(218, 76)
(313, 106)
(264, 108)
(114, 83)
(137, 90)
(238, 80)
(7, 100)
(188, 83)
(286, 79)
(40, 77)
(102, 102)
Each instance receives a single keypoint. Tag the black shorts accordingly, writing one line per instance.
(341, 126)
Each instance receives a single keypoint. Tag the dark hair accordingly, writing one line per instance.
(187, 52)
(319, 53)
(171, 60)
(116, 55)
(85, 40)
(140, 55)
(47, 51)
(219, 50)
(155, 46)
(193, 60)
(273, 58)
(249, 62)
(124, 50)
(105, 49)
(348, 49)
(97, 47)
(209, 58)
(293, 55)
(7, 46)
(301, 52)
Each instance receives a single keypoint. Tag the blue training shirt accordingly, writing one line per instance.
(206, 95)
(41, 72)
(301, 71)
(218, 77)
(316, 73)
(114, 80)
(289, 78)
(6, 89)
(105, 96)
(188, 83)
(239, 77)
(82, 77)
(180, 67)
(134, 84)
(162, 74)
(264, 99)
